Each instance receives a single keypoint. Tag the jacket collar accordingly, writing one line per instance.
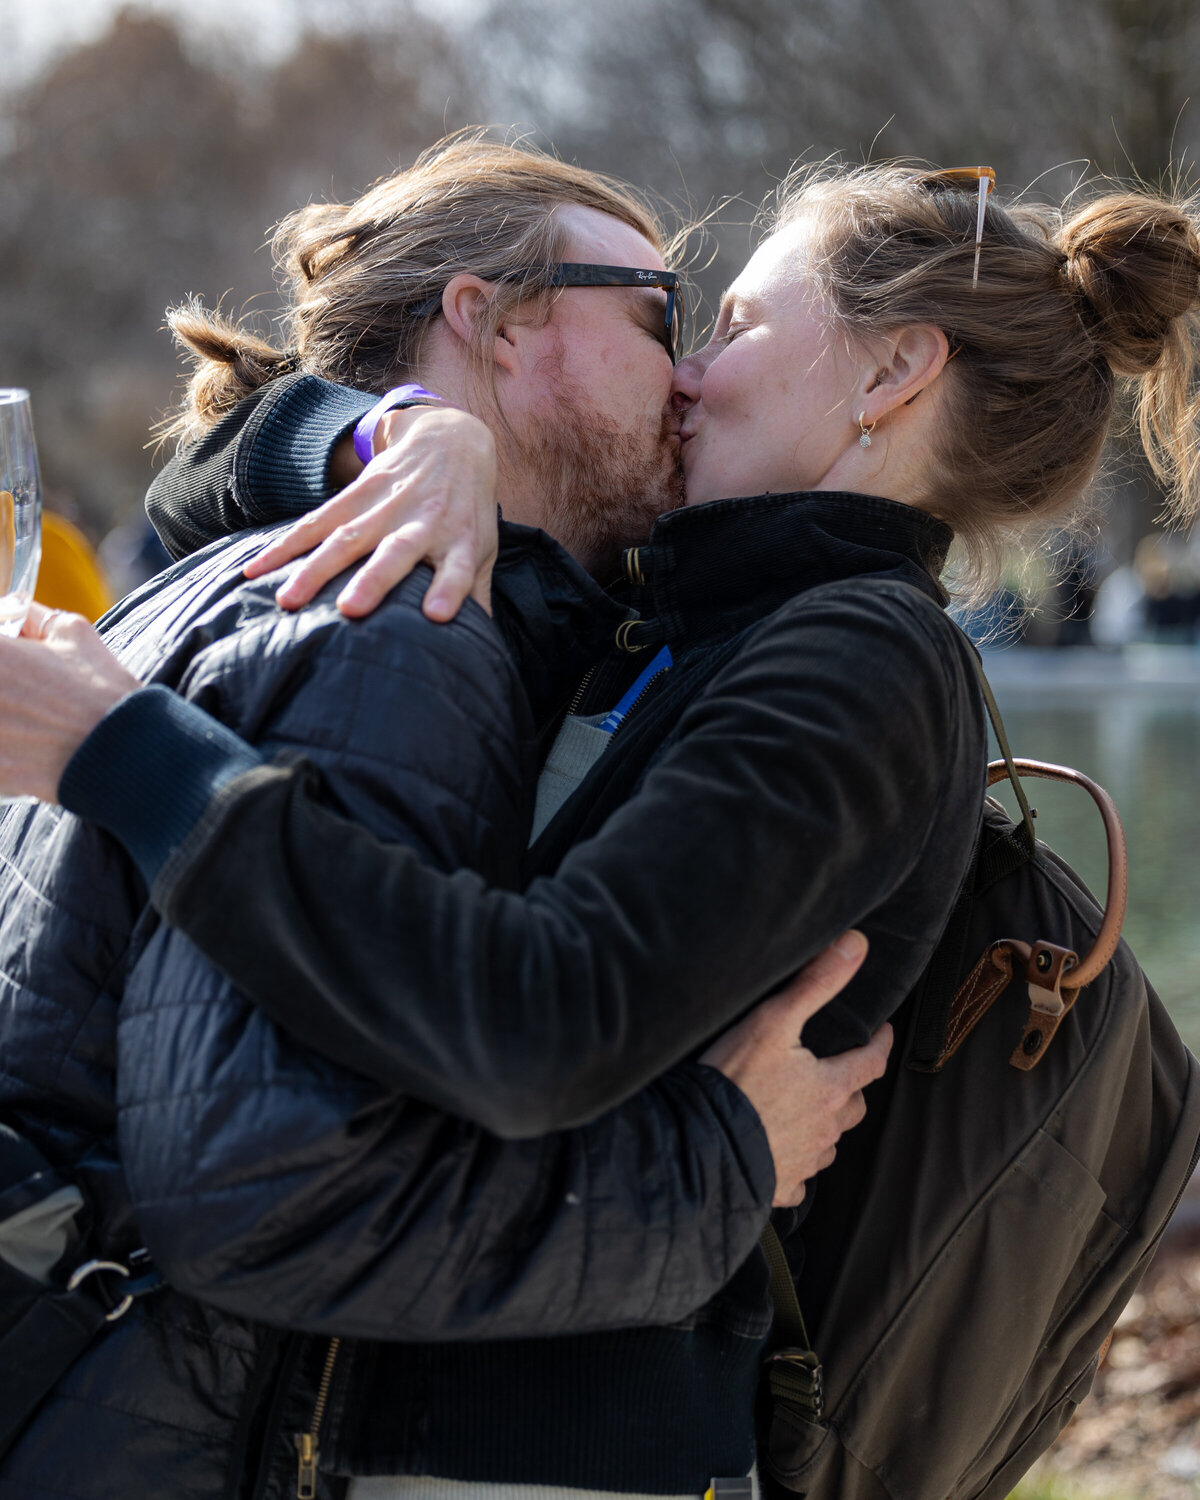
(715, 568)
(555, 619)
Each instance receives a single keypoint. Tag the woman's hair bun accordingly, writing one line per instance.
(1135, 263)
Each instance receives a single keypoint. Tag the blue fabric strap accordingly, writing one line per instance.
(614, 716)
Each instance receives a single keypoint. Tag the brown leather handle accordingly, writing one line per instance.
(1091, 964)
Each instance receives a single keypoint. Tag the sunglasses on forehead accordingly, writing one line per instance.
(575, 273)
(967, 179)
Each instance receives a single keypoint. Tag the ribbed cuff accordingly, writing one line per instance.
(744, 1124)
(148, 770)
(282, 464)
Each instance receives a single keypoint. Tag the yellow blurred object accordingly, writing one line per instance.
(8, 539)
(70, 576)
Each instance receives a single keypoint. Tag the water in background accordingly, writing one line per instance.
(1135, 729)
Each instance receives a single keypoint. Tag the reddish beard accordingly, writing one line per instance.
(600, 489)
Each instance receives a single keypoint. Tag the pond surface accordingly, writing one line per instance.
(1139, 737)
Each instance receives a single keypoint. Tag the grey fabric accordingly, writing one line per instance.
(422, 1487)
(35, 1239)
(577, 747)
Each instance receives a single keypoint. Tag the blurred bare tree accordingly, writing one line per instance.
(721, 96)
(136, 173)
(135, 170)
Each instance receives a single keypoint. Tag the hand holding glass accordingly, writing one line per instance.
(20, 510)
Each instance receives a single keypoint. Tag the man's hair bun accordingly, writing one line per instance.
(1134, 263)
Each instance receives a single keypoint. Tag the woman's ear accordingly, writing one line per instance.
(464, 304)
(912, 358)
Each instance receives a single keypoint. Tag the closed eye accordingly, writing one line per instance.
(728, 326)
(651, 316)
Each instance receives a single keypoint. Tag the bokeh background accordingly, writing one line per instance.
(145, 152)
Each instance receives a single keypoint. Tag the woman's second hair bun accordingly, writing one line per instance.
(1134, 262)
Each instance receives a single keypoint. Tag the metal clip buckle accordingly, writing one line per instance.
(801, 1378)
(622, 636)
(94, 1268)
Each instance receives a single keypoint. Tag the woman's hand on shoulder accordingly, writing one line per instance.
(805, 1103)
(428, 495)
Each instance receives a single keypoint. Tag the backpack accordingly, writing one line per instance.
(54, 1298)
(1036, 1128)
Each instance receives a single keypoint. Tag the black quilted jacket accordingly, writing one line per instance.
(422, 733)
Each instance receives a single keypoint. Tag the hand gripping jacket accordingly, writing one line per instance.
(1037, 1127)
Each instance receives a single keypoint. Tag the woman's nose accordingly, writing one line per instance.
(685, 383)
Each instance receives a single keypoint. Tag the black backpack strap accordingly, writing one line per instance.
(46, 1328)
(938, 983)
(1052, 971)
(794, 1373)
(53, 1300)
(993, 710)
(996, 856)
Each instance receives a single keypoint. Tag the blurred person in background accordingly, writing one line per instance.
(1156, 597)
(1118, 614)
(131, 554)
(70, 576)
(805, 731)
(1170, 589)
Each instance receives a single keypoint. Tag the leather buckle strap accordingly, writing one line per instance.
(1102, 950)
(1053, 974)
(1043, 967)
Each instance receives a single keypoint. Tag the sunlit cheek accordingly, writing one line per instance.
(650, 380)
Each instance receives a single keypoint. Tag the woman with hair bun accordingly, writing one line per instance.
(1063, 309)
(902, 361)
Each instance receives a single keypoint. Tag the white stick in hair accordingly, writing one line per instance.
(985, 188)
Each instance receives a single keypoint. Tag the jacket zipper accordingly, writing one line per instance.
(630, 710)
(585, 683)
(306, 1442)
(580, 690)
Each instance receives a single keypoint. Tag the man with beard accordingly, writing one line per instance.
(444, 1233)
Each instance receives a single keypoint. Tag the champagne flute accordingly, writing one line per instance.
(20, 510)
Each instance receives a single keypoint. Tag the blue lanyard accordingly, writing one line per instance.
(612, 719)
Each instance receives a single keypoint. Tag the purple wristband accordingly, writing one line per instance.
(397, 400)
